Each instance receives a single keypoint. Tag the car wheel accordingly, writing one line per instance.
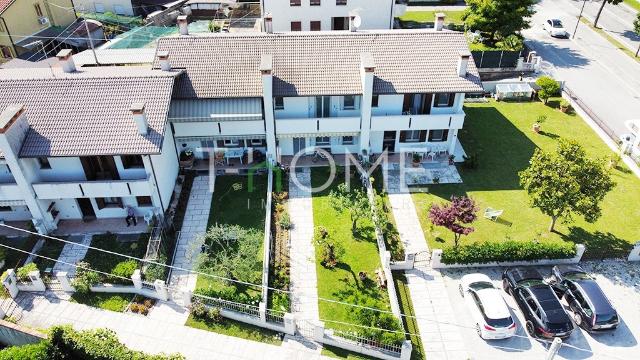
(505, 285)
(478, 330)
(461, 291)
(530, 329)
(577, 318)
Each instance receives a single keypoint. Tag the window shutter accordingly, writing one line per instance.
(101, 204)
(423, 135)
(403, 136)
(445, 135)
(452, 98)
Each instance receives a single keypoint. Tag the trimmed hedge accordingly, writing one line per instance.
(509, 250)
(39, 351)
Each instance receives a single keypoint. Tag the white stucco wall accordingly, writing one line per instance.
(17, 213)
(166, 168)
(121, 7)
(62, 169)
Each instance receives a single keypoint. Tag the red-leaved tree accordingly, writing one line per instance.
(455, 215)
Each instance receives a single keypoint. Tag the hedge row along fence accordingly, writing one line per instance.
(508, 251)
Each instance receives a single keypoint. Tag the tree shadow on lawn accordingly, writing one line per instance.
(364, 233)
(354, 287)
(598, 245)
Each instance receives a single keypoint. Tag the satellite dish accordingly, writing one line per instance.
(357, 21)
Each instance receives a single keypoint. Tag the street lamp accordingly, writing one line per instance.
(584, 2)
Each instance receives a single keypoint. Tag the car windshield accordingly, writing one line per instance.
(480, 285)
(577, 276)
(499, 323)
(556, 23)
(602, 319)
(531, 282)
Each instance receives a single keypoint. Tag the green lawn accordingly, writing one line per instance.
(51, 249)
(136, 246)
(452, 17)
(339, 353)
(633, 3)
(406, 307)
(501, 136)
(14, 259)
(112, 302)
(237, 329)
(361, 254)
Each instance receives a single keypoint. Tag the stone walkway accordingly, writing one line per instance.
(149, 335)
(304, 282)
(441, 339)
(72, 254)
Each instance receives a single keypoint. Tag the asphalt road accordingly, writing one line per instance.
(604, 77)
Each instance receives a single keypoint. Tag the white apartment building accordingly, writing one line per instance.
(84, 143)
(322, 15)
(361, 92)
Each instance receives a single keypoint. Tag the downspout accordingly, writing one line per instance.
(15, 51)
(391, 15)
(155, 178)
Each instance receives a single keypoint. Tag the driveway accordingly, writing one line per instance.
(619, 280)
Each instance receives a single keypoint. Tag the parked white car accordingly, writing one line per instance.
(489, 310)
(555, 28)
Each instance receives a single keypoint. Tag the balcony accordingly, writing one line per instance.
(10, 191)
(317, 125)
(92, 189)
(417, 122)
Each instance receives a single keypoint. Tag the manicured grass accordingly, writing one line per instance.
(237, 329)
(339, 353)
(501, 136)
(112, 302)
(14, 259)
(361, 254)
(612, 40)
(633, 3)
(406, 307)
(105, 262)
(51, 249)
(452, 17)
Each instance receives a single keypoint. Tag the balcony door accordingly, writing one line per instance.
(86, 208)
(99, 168)
(323, 106)
(298, 144)
(417, 104)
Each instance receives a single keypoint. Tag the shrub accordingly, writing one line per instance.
(135, 308)
(470, 162)
(332, 251)
(198, 310)
(156, 272)
(23, 272)
(125, 268)
(509, 250)
(39, 351)
(214, 315)
(548, 88)
(85, 278)
(285, 221)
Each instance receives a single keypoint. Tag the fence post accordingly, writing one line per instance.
(405, 352)
(635, 253)
(289, 324)
(554, 348)
(36, 281)
(161, 290)
(410, 259)
(65, 284)
(318, 332)
(580, 249)
(10, 283)
(136, 278)
(262, 307)
(520, 64)
(436, 259)
(186, 297)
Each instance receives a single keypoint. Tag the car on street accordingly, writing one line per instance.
(590, 307)
(555, 28)
(544, 314)
(489, 310)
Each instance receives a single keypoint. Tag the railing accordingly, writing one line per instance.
(246, 309)
(97, 188)
(498, 58)
(153, 246)
(601, 123)
(275, 316)
(373, 344)
(148, 286)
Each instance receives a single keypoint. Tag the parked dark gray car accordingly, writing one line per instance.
(591, 308)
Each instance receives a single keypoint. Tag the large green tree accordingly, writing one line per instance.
(566, 182)
(497, 19)
(604, 2)
(354, 201)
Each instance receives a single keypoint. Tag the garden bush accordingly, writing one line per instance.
(125, 269)
(85, 278)
(548, 88)
(23, 272)
(156, 272)
(39, 351)
(509, 250)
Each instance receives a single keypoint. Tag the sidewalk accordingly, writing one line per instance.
(435, 316)
(149, 335)
(72, 254)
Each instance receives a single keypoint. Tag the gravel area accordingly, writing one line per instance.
(619, 280)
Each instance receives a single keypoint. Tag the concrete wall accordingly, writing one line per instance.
(120, 7)
(62, 169)
(15, 335)
(17, 213)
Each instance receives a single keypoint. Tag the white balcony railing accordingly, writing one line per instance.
(10, 191)
(100, 188)
(417, 122)
(318, 125)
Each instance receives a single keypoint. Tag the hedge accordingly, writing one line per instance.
(509, 250)
(39, 351)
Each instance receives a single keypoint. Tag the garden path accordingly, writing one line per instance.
(72, 254)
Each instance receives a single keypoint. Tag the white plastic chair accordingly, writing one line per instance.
(492, 214)
(148, 217)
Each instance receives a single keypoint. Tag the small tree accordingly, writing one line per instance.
(354, 201)
(454, 216)
(636, 29)
(566, 182)
(332, 251)
(548, 88)
(604, 2)
(497, 19)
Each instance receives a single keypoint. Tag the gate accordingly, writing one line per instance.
(305, 328)
(51, 283)
(422, 259)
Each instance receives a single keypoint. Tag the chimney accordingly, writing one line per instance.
(183, 24)
(439, 22)
(268, 23)
(65, 57)
(352, 23)
(163, 58)
(137, 109)
(463, 62)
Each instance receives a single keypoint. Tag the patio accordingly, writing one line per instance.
(99, 226)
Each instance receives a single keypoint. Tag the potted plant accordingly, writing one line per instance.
(416, 160)
(436, 180)
(537, 125)
(565, 106)
(186, 158)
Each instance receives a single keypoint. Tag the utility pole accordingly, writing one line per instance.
(584, 2)
(86, 26)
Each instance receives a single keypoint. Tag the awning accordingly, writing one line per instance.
(220, 137)
(13, 203)
(318, 134)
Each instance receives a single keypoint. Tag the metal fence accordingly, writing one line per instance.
(250, 310)
(373, 344)
(148, 286)
(601, 123)
(498, 58)
(275, 316)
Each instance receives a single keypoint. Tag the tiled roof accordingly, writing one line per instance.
(88, 112)
(319, 63)
(4, 5)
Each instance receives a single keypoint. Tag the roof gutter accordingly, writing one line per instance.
(13, 45)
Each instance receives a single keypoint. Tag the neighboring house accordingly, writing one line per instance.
(85, 143)
(321, 15)
(118, 7)
(20, 19)
(364, 91)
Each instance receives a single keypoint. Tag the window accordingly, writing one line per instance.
(257, 142)
(294, 2)
(231, 143)
(374, 100)
(279, 103)
(5, 52)
(5, 208)
(438, 135)
(323, 140)
(2, 29)
(144, 200)
(444, 100)
(349, 102)
(296, 26)
(413, 136)
(132, 161)
(314, 2)
(110, 202)
(347, 140)
(44, 163)
(38, 10)
(341, 2)
(315, 26)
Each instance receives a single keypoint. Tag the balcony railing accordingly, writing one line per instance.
(417, 122)
(318, 125)
(99, 188)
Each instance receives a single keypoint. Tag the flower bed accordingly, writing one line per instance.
(279, 271)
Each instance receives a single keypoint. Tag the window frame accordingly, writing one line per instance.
(375, 101)
(231, 142)
(295, 2)
(278, 103)
(323, 143)
(410, 139)
(348, 142)
(449, 103)
(144, 203)
(256, 142)
(314, 2)
(109, 202)
(315, 22)
(298, 24)
(5, 208)
(44, 163)
(444, 136)
(344, 102)
(341, 2)
(129, 164)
